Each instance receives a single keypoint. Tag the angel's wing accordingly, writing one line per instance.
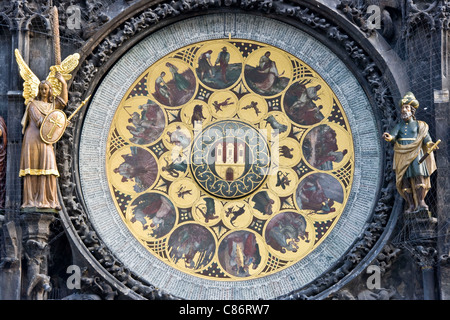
(31, 81)
(65, 68)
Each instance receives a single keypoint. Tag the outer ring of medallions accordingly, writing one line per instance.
(316, 80)
(297, 256)
(254, 59)
(157, 68)
(319, 217)
(241, 196)
(98, 223)
(233, 53)
(122, 114)
(184, 269)
(259, 240)
(140, 233)
(111, 175)
(349, 155)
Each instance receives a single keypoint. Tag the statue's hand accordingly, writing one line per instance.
(59, 76)
(386, 136)
(430, 145)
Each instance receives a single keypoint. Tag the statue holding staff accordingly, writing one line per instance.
(413, 158)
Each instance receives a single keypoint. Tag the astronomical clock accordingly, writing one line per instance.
(216, 161)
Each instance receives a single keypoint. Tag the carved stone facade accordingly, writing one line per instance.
(387, 61)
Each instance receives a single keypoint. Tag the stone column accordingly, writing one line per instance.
(11, 245)
(420, 240)
(36, 232)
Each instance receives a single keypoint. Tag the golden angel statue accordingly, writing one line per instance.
(38, 162)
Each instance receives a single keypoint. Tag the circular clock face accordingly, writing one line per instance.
(229, 159)
(229, 168)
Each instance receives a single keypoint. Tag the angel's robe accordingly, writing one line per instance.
(38, 162)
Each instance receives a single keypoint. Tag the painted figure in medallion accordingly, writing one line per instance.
(285, 231)
(162, 89)
(265, 78)
(192, 245)
(412, 141)
(147, 126)
(197, 116)
(176, 167)
(321, 148)
(320, 193)
(138, 166)
(208, 210)
(301, 103)
(263, 203)
(223, 72)
(181, 83)
(176, 90)
(239, 253)
(204, 65)
(155, 213)
(222, 60)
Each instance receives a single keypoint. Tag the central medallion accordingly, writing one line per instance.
(230, 159)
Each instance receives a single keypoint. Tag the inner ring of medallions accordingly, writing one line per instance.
(230, 159)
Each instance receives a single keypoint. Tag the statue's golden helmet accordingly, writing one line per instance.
(409, 99)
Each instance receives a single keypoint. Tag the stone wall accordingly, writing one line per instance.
(412, 41)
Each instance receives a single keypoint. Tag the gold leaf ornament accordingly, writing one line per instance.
(65, 68)
(31, 81)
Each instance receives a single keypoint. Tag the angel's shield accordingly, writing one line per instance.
(53, 126)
